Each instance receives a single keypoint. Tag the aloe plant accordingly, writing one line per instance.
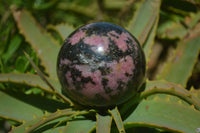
(30, 95)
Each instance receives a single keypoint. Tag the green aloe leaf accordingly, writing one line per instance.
(147, 47)
(171, 30)
(30, 80)
(43, 77)
(36, 81)
(63, 29)
(8, 102)
(13, 46)
(20, 107)
(179, 69)
(162, 110)
(118, 4)
(144, 19)
(79, 125)
(45, 46)
(103, 124)
(164, 114)
(165, 88)
(51, 129)
(47, 128)
(162, 89)
(34, 124)
(118, 120)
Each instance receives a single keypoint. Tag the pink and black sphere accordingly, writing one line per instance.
(101, 65)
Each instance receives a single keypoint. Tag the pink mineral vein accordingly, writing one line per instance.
(133, 41)
(119, 71)
(77, 37)
(98, 41)
(91, 88)
(69, 80)
(120, 40)
(64, 62)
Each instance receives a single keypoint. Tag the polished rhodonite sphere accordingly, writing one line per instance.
(101, 65)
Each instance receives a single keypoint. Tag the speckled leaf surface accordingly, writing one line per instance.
(179, 69)
(45, 46)
(30, 80)
(164, 114)
(144, 18)
(103, 124)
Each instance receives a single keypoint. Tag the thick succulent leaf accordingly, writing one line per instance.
(163, 111)
(164, 85)
(183, 60)
(17, 110)
(34, 124)
(118, 120)
(161, 88)
(46, 47)
(147, 47)
(79, 125)
(118, 4)
(47, 128)
(144, 19)
(164, 114)
(13, 46)
(55, 126)
(64, 30)
(30, 80)
(171, 30)
(81, 10)
(174, 90)
(103, 124)
(20, 107)
(58, 129)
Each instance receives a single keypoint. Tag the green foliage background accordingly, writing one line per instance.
(168, 30)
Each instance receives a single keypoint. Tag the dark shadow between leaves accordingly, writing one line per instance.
(127, 108)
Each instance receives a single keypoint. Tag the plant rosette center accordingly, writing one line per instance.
(101, 65)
